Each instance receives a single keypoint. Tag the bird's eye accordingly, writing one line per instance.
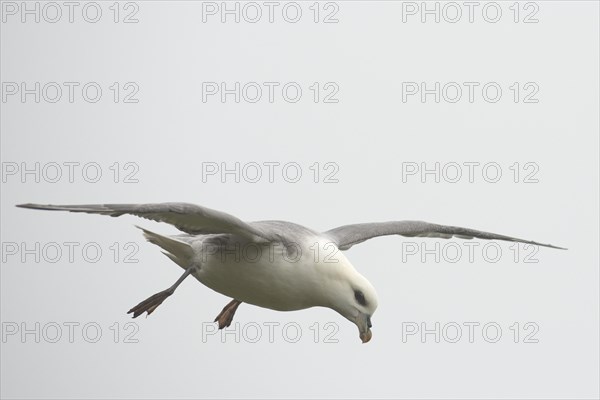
(360, 297)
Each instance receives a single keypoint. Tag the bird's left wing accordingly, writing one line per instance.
(348, 235)
(189, 218)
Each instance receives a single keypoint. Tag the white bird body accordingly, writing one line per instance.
(272, 264)
(276, 280)
(285, 277)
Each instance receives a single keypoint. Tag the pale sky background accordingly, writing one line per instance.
(369, 134)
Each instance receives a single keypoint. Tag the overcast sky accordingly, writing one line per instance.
(323, 115)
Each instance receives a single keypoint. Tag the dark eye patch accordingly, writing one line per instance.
(360, 297)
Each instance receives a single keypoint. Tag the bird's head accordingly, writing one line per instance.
(356, 300)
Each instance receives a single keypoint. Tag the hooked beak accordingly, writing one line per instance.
(363, 322)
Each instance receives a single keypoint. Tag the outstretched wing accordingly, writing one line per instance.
(348, 235)
(186, 217)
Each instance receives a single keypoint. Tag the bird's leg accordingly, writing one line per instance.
(226, 315)
(150, 304)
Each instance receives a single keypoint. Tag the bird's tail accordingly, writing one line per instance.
(180, 252)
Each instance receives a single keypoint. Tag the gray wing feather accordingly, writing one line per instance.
(348, 235)
(186, 217)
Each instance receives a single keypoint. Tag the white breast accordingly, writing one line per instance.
(272, 276)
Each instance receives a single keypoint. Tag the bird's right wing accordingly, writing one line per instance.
(186, 217)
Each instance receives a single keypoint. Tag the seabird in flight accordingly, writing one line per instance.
(272, 264)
